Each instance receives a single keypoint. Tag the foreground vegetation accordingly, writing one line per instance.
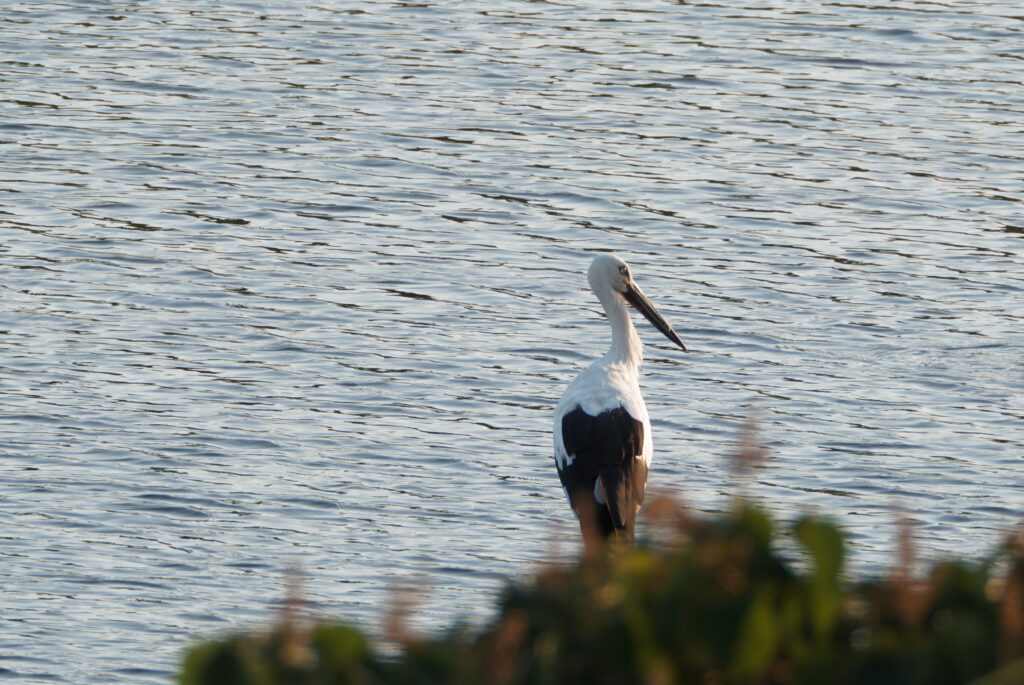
(706, 601)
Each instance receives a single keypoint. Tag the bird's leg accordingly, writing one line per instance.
(590, 514)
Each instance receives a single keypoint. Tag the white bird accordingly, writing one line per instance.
(602, 433)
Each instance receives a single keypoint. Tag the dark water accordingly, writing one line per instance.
(287, 284)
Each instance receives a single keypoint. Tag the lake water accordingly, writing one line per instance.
(289, 283)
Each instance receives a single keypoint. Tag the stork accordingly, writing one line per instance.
(602, 433)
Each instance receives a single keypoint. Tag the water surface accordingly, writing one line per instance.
(288, 284)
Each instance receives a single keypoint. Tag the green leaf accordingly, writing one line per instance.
(758, 637)
(214, 663)
(825, 543)
(1011, 674)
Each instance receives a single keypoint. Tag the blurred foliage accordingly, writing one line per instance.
(705, 601)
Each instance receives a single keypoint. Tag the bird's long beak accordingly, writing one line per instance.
(636, 297)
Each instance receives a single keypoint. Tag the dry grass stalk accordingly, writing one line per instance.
(1011, 602)
(404, 601)
(295, 648)
(911, 596)
(671, 518)
(750, 454)
(505, 646)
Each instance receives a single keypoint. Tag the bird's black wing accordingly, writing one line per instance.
(606, 446)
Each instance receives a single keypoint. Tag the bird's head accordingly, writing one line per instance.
(609, 273)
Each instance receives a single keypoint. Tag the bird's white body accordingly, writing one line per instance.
(605, 384)
(602, 434)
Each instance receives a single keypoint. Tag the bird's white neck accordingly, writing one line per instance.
(626, 347)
